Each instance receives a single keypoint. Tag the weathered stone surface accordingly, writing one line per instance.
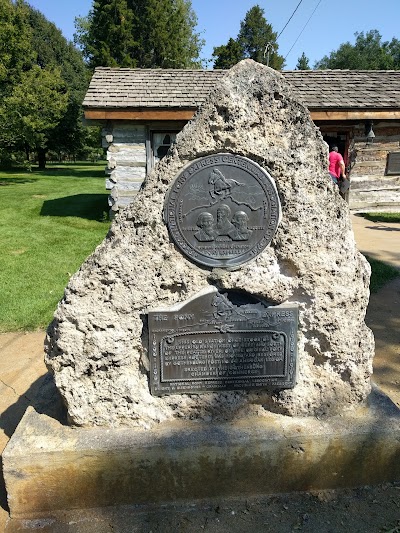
(126, 155)
(97, 342)
(123, 172)
(127, 184)
(49, 467)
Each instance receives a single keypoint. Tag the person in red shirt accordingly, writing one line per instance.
(336, 165)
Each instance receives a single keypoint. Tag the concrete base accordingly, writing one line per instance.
(49, 466)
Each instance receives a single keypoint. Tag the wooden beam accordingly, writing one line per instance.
(186, 114)
(139, 114)
(353, 114)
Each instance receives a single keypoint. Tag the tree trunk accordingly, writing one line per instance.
(42, 158)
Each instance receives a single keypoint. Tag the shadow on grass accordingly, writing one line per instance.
(381, 273)
(380, 217)
(16, 181)
(78, 171)
(89, 206)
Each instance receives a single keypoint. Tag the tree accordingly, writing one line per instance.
(53, 51)
(368, 53)
(38, 62)
(34, 108)
(393, 48)
(16, 57)
(302, 63)
(227, 55)
(171, 40)
(140, 33)
(105, 35)
(16, 54)
(254, 36)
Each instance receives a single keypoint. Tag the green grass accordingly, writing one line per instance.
(381, 217)
(50, 222)
(381, 273)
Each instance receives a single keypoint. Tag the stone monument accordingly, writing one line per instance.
(243, 208)
(214, 344)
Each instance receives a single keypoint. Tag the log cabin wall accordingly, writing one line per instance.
(126, 101)
(130, 157)
(372, 189)
(126, 161)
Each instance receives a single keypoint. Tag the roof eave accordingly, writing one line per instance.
(139, 113)
(186, 113)
(362, 113)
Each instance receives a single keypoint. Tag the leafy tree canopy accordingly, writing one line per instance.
(35, 106)
(140, 33)
(16, 54)
(254, 35)
(43, 79)
(55, 52)
(368, 53)
(105, 35)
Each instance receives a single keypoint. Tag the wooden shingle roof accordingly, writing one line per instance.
(368, 89)
(173, 89)
(123, 87)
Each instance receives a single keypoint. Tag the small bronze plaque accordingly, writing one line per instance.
(393, 164)
(222, 341)
(222, 210)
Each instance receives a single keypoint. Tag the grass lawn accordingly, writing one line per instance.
(50, 222)
(381, 217)
(381, 273)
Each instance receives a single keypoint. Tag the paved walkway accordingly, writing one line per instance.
(22, 370)
(382, 241)
(378, 240)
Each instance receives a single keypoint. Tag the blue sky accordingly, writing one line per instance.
(332, 23)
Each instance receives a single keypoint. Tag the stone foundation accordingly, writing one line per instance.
(49, 467)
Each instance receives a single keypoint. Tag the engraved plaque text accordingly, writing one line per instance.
(221, 341)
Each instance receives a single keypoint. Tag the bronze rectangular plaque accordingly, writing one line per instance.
(393, 164)
(222, 341)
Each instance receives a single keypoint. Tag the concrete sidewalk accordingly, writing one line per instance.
(21, 367)
(377, 239)
(23, 373)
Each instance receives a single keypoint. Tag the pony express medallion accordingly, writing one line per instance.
(222, 210)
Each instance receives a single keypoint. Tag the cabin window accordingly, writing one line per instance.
(161, 143)
(393, 164)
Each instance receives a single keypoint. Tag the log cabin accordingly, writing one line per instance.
(142, 110)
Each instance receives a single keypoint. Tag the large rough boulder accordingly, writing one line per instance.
(97, 343)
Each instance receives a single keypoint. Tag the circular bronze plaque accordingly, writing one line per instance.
(222, 210)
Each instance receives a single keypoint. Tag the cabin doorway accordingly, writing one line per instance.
(342, 141)
(339, 140)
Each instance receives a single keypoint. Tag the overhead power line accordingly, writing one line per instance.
(291, 16)
(269, 47)
(304, 27)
